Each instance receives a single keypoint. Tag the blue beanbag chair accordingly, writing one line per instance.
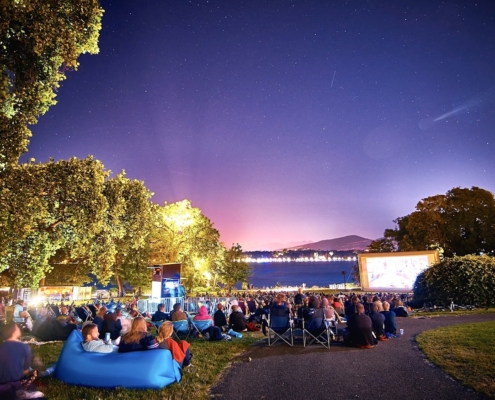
(149, 369)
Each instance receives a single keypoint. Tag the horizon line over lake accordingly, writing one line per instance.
(297, 273)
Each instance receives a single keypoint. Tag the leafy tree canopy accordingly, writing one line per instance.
(460, 222)
(129, 222)
(233, 268)
(48, 207)
(181, 233)
(39, 41)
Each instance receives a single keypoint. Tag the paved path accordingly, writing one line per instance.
(396, 369)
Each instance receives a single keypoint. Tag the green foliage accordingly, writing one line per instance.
(181, 233)
(467, 279)
(129, 222)
(233, 268)
(47, 207)
(458, 223)
(386, 244)
(39, 41)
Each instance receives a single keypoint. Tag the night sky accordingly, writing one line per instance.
(286, 121)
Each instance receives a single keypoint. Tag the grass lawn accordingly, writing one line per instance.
(466, 352)
(209, 359)
(447, 313)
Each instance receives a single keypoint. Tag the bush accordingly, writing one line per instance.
(467, 280)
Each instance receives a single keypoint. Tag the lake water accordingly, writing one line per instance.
(296, 273)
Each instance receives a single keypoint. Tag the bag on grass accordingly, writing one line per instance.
(251, 326)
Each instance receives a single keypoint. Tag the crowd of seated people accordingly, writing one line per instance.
(369, 318)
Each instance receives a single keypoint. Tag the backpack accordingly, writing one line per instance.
(400, 312)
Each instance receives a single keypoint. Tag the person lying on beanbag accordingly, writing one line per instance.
(92, 343)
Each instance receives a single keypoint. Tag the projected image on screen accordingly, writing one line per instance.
(396, 272)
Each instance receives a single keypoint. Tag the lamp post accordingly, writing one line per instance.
(345, 285)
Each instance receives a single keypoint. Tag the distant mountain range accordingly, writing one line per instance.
(352, 242)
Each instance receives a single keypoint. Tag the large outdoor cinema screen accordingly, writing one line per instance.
(393, 272)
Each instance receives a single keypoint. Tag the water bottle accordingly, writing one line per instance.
(107, 337)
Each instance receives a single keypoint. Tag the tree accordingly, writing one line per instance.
(458, 223)
(233, 268)
(64, 271)
(40, 40)
(129, 222)
(182, 234)
(48, 207)
(386, 244)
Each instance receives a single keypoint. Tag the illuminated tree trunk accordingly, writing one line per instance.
(120, 286)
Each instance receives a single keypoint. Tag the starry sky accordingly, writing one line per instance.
(286, 122)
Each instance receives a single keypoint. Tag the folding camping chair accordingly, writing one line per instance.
(158, 323)
(55, 310)
(279, 326)
(84, 313)
(180, 328)
(332, 324)
(92, 309)
(199, 326)
(317, 331)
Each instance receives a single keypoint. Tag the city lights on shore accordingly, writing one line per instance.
(299, 259)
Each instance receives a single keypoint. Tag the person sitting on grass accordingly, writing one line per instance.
(92, 342)
(180, 351)
(377, 320)
(237, 322)
(390, 326)
(137, 338)
(360, 329)
(219, 318)
(352, 308)
(15, 373)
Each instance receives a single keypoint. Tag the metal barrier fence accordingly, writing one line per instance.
(151, 305)
(190, 304)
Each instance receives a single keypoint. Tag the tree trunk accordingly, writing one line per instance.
(120, 287)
